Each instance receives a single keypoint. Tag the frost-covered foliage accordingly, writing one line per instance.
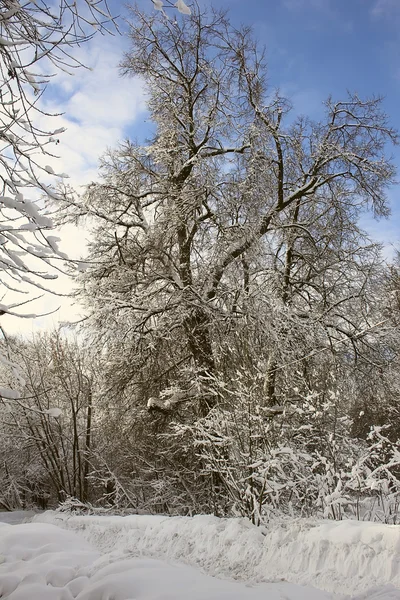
(247, 329)
(303, 461)
(225, 220)
(51, 422)
(245, 457)
(244, 318)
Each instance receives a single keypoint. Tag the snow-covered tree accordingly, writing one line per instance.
(227, 207)
(52, 421)
(226, 254)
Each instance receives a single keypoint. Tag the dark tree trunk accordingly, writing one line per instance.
(197, 327)
(88, 439)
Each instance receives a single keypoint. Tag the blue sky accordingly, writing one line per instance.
(319, 47)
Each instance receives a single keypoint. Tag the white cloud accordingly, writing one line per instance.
(99, 107)
(385, 8)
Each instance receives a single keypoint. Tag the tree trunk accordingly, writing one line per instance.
(88, 440)
(197, 327)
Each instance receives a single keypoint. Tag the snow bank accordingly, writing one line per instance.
(16, 516)
(347, 557)
(39, 561)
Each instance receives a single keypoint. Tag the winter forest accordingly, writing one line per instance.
(239, 353)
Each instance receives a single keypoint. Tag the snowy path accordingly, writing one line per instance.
(42, 561)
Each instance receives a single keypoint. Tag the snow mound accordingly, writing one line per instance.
(44, 562)
(37, 561)
(346, 557)
(16, 516)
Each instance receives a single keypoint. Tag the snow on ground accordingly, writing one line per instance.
(59, 557)
(16, 516)
(346, 557)
(40, 561)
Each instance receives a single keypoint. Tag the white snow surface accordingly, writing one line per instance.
(16, 516)
(60, 557)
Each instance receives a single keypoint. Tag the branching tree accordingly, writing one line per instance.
(225, 201)
(53, 420)
(228, 281)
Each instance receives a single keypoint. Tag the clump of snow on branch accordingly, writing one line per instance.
(180, 5)
(54, 412)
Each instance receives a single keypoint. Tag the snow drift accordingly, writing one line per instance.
(347, 557)
(39, 561)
